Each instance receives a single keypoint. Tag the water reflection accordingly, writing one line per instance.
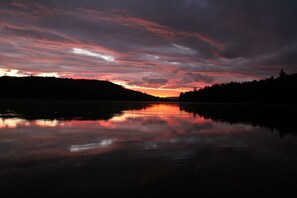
(274, 117)
(144, 147)
(20, 122)
(152, 125)
(65, 110)
(155, 126)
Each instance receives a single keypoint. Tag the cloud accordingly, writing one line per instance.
(92, 54)
(10, 72)
(200, 3)
(157, 81)
(181, 47)
(190, 77)
(185, 50)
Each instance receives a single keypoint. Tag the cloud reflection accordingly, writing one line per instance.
(12, 123)
(19, 122)
(155, 127)
(82, 147)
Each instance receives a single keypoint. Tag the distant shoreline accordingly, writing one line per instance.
(68, 89)
(279, 90)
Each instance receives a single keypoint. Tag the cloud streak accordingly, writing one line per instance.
(92, 54)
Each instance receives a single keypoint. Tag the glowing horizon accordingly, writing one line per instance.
(160, 92)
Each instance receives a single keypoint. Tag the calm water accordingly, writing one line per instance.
(146, 150)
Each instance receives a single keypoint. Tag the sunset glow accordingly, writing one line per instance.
(142, 46)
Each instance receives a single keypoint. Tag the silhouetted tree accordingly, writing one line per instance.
(271, 90)
(59, 88)
(282, 74)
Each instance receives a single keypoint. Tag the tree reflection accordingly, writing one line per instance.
(274, 117)
(65, 109)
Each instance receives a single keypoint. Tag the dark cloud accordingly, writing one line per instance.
(155, 80)
(33, 33)
(191, 77)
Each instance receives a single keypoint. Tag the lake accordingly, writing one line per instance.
(134, 149)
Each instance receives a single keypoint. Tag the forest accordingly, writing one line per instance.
(62, 88)
(280, 90)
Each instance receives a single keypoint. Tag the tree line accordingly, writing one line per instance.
(62, 88)
(272, 90)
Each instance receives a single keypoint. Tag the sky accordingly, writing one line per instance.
(160, 47)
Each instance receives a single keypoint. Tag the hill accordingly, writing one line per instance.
(272, 90)
(61, 88)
